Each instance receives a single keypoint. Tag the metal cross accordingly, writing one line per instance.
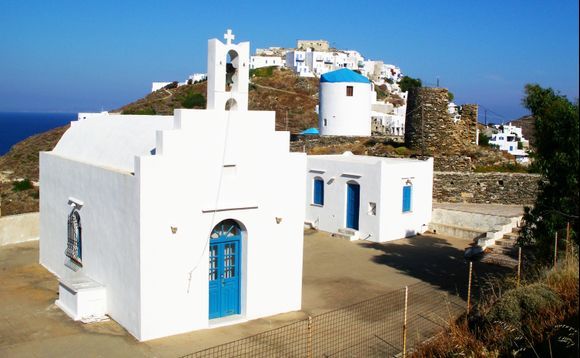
(229, 36)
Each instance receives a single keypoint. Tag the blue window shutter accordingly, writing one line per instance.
(407, 198)
(318, 192)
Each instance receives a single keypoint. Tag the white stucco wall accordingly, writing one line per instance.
(343, 115)
(381, 181)
(110, 230)
(129, 247)
(262, 181)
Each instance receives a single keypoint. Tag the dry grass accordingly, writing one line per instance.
(511, 320)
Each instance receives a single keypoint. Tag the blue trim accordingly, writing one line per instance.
(225, 256)
(352, 205)
(407, 192)
(318, 197)
(343, 75)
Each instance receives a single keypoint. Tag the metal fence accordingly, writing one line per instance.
(372, 328)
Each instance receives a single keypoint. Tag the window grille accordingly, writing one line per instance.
(74, 239)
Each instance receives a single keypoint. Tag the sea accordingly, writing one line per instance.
(16, 126)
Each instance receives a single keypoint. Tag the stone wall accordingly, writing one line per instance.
(429, 127)
(468, 120)
(485, 188)
(452, 163)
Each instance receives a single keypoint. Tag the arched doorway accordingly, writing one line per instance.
(225, 256)
(352, 204)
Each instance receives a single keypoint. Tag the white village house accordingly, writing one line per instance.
(170, 224)
(369, 198)
(510, 139)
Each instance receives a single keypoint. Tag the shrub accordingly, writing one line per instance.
(22, 185)
(172, 85)
(402, 151)
(262, 71)
(483, 140)
(140, 111)
(193, 100)
(524, 304)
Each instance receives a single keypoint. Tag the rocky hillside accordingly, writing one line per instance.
(19, 172)
(293, 98)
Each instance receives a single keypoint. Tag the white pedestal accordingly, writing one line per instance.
(82, 299)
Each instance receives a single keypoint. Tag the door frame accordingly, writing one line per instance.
(350, 184)
(240, 265)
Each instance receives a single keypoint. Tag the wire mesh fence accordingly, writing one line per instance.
(372, 328)
(385, 326)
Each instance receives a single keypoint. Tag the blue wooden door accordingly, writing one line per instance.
(352, 205)
(224, 270)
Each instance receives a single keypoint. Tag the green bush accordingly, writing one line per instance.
(140, 111)
(193, 100)
(262, 71)
(22, 185)
(520, 305)
(483, 140)
(402, 151)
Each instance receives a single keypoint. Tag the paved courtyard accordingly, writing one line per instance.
(337, 273)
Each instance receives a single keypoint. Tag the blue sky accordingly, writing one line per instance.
(92, 55)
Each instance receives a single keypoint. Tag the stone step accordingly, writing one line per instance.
(456, 231)
(511, 236)
(346, 231)
(502, 250)
(341, 236)
(505, 242)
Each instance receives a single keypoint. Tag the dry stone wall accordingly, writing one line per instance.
(485, 188)
(429, 127)
(452, 163)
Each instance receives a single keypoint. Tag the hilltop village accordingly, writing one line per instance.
(194, 207)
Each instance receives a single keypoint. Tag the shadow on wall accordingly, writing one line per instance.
(435, 261)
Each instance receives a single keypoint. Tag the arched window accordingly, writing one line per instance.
(318, 191)
(74, 243)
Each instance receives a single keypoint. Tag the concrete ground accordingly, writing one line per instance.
(336, 273)
(489, 209)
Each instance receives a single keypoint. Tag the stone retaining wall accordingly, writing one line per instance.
(455, 163)
(485, 188)
(19, 228)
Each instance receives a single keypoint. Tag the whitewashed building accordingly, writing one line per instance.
(170, 224)
(345, 104)
(369, 198)
(509, 138)
(266, 61)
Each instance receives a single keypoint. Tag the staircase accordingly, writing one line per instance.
(503, 251)
(483, 230)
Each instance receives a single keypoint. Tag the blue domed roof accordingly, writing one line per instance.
(343, 75)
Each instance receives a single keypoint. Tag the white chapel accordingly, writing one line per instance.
(169, 224)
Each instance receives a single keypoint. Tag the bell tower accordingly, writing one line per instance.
(228, 72)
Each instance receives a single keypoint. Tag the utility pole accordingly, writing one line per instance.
(485, 116)
(437, 81)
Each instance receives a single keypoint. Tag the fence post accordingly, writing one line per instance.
(555, 250)
(567, 239)
(309, 344)
(469, 287)
(405, 322)
(519, 265)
